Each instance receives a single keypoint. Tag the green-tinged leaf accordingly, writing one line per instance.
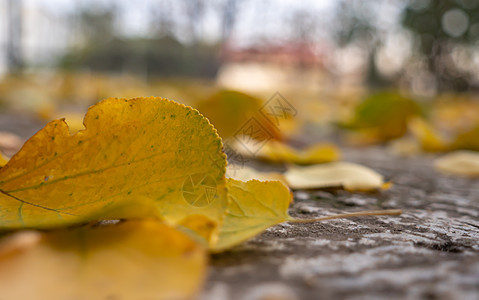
(254, 206)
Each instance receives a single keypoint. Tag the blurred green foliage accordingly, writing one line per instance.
(384, 115)
(438, 26)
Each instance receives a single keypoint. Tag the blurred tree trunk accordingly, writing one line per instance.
(14, 36)
(375, 79)
(229, 19)
(195, 12)
(229, 11)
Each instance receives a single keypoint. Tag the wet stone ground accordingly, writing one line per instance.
(431, 251)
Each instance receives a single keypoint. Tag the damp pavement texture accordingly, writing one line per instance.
(431, 251)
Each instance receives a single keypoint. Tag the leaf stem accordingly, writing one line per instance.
(384, 212)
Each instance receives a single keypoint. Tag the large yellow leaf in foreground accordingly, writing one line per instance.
(131, 260)
(136, 158)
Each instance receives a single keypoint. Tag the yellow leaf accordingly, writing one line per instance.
(462, 163)
(427, 136)
(278, 152)
(467, 140)
(245, 173)
(3, 160)
(254, 206)
(200, 227)
(131, 260)
(136, 158)
(231, 111)
(315, 154)
(350, 176)
(455, 113)
(383, 116)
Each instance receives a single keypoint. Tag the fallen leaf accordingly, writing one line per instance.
(427, 136)
(253, 207)
(202, 228)
(234, 113)
(3, 160)
(454, 113)
(383, 116)
(279, 152)
(131, 260)
(350, 176)
(468, 140)
(315, 154)
(462, 163)
(136, 158)
(245, 173)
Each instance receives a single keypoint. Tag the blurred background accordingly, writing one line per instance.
(328, 58)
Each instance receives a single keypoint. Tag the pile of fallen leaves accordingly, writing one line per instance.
(130, 206)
